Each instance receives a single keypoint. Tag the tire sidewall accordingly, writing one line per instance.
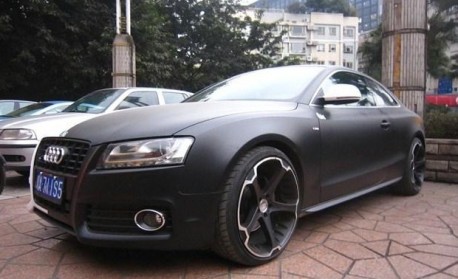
(254, 157)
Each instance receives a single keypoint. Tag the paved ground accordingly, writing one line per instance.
(376, 236)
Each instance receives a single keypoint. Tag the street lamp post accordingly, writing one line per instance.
(123, 49)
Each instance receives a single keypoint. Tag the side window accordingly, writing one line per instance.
(381, 96)
(367, 97)
(139, 99)
(173, 97)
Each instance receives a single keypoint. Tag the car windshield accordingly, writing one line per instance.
(268, 84)
(28, 110)
(95, 102)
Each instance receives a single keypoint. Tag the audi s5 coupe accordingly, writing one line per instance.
(233, 167)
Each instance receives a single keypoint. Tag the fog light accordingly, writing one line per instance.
(149, 220)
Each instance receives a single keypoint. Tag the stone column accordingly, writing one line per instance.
(123, 50)
(404, 28)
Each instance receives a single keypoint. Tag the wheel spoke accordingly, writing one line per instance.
(274, 181)
(268, 230)
(419, 164)
(257, 189)
(276, 206)
(253, 224)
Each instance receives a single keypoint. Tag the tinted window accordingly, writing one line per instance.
(139, 99)
(285, 83)
(95, 102)
(173, 97)
(382, 97)
(28, 110)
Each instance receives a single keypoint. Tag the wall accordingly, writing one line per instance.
(442, 160)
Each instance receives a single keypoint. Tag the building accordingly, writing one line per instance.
(274, 4)
(316, 38)
(369, 12)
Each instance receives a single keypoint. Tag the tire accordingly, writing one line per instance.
(258, 211)
(414, 171)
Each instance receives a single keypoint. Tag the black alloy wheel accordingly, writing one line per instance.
(258, 212)
(414, 173)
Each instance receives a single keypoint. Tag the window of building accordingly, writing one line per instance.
(348, 49)
(332, 31)
(331, 62)
(320, 30)
(297, 30)
(320, 47)
(297, 48)
(348, 64)
(332, 47)
(320, 62)
(349, 32)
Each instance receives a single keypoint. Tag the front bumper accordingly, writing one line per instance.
(18, 156)
(99, 206)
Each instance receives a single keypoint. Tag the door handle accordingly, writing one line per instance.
(385, 124)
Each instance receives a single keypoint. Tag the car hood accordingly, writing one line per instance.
(47, 125)
(158, 121)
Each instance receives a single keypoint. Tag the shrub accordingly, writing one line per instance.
(441, 122)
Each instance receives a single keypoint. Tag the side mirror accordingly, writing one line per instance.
(340, 94)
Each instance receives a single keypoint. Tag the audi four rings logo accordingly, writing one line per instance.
(55, 154)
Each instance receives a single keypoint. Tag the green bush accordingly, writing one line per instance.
(441, 122)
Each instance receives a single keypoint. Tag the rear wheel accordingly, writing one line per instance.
(258, 210)
(414, 172)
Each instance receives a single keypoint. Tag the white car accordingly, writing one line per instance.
(46, 107)
(19, 137)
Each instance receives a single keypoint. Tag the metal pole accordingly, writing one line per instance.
(118, 16)
(128, 17)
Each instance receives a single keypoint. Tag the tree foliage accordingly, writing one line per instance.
(371, 53)
(62, 49)
(53, 49)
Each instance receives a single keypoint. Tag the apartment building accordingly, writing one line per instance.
(316, 38)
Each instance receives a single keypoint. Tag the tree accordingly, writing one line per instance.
(441, 33)
(210, 43)
(371, 54)
(54, 49)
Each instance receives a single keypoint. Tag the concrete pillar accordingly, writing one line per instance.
(404, 28)
(123, 50)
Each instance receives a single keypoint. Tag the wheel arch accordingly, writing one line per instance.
(279, 142)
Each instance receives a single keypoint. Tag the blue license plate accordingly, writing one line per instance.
(49, 187)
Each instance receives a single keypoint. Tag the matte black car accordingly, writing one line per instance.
(232, 168)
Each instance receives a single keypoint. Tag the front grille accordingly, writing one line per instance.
(118, 220)
(71, 163)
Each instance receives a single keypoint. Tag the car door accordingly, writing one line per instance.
(353, 140)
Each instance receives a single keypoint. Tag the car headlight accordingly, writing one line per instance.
(143, 153)
(17, 134)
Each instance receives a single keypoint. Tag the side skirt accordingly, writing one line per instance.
(342, 199)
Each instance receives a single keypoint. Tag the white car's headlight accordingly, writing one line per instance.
(17, 134)
(142, 153)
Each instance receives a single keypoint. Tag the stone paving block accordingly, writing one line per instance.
(377, 236)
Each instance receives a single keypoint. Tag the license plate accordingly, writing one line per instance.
(49, 187)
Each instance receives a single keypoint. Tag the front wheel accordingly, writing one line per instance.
(414, 172)
(259, 208)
